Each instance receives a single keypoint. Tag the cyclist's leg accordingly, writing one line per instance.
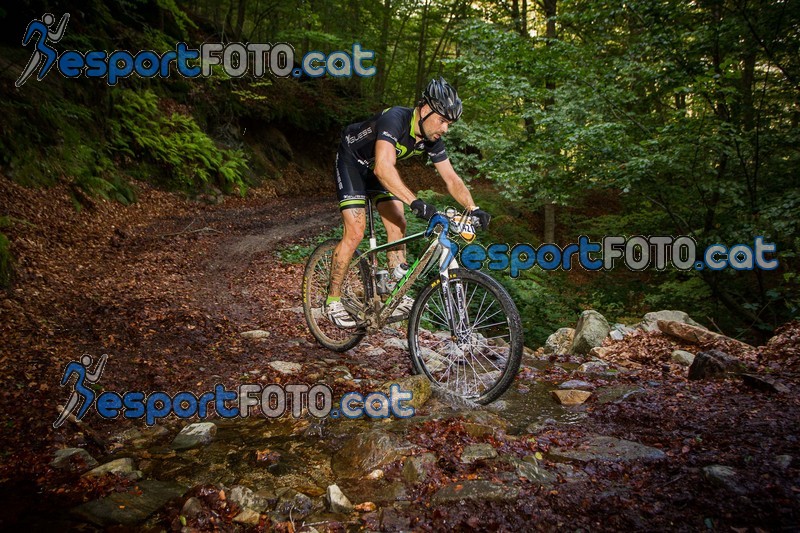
(354, 220)
(391, 211)
(352, 196)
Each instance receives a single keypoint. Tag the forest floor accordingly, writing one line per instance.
(166, 286)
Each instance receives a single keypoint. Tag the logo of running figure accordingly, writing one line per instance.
(43, 51)
(80, 370)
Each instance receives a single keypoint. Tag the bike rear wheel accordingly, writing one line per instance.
(355, 294)
(478, 356)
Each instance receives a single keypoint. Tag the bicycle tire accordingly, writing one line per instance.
(468, 363)
(355, 294)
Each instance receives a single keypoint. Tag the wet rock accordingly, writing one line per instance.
(590, 331)
(130, 508)
(613, 393)
(682, 357)
(650, 320)
(122, 467)
(75, 459)
(724, 477)
(475, 490)
(367, 451)
(714, 364)
(375, 474)
(255, 334)
(476, 452)
(391, 520)
(559, 342)
(608, 449)
(576, 384)
(248, 517)
(197, 434)
(764, 383)
(571, 397)
(338, 501)
(417, 467)
(294, 504)
(247, 499)
(419, 386)
(192, 507)
(530, 469)
(593, 367)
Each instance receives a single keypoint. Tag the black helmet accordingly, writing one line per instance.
(443, 99)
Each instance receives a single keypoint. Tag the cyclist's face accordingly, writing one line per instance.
(435, 125)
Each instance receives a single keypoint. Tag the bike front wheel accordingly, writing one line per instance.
(476, 353)
(316, 283)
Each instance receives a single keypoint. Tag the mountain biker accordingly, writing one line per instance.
(365, 166)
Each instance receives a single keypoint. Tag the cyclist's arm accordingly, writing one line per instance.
(385, 170)
(455, 185)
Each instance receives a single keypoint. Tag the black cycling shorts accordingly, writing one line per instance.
(355, 182)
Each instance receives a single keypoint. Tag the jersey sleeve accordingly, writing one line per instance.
(390, 126)
(436, 151)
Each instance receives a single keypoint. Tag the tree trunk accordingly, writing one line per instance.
(383, 48)
(549, 206)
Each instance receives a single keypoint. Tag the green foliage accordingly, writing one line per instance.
(174, 142)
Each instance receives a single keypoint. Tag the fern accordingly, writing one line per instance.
(176, 143)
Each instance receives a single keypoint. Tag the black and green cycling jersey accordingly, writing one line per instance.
(355, 159)
(394, 125)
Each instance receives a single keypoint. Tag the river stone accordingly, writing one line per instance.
(571, 397)
(73, 459)
(419, 386)
(593, 367)
(394, 342)
(590, 331)
(682, 357)
(650, 320)
(121, 467)
(714, 364)
(559, 342)
(724, 477)
(247, 499)
(530, 469)
(365, 452)
(416, 467)
(192, 507)
(130, 508)
(476, 452)
(576, 384)
(338, 501)
(612, 393)
(255, 334)
(294, 503)
(195, 435)
(248, 517)
(476, 490)
(609, 449)
(285, 367)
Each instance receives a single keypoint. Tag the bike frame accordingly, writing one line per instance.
(378, 312)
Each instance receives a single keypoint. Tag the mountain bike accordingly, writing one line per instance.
(464, 330)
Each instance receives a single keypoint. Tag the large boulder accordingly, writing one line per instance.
(559, 342)
(697, 335)
(650, 320)
(714, 364)
(590, 331)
